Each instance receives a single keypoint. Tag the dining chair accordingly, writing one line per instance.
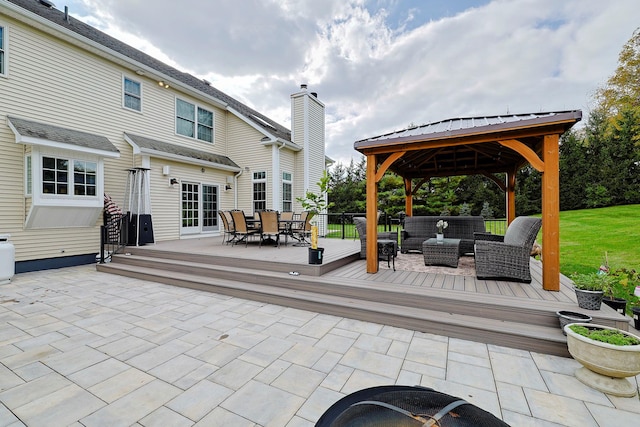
(227, 223)
(269, 226)
(241, 229)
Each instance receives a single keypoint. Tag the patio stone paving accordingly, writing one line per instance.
(80, 347)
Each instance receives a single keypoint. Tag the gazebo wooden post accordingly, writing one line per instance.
(511, 195)
(551, 214)
(372, 215)
(408, 197)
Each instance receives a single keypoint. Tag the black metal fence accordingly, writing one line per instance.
(113, 235)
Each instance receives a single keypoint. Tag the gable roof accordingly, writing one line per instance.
(87, 32)
(30, 132)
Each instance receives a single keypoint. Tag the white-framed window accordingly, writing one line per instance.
(194, 121)
(287, 194)
(64, 176)
(259, 191)
(28, 176)
(131, 94)
(3, 50)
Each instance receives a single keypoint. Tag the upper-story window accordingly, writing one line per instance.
(63, 176)
(132, 96)
(194, 121)
(287, 201)
(3, 50)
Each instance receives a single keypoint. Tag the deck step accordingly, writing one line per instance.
(425, 310)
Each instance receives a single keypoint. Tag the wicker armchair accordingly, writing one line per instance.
(361, 228)
(507, 256)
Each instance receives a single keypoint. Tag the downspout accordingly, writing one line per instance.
(235, 188)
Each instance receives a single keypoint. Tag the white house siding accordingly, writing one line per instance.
(287, 164)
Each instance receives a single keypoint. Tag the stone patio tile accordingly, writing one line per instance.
(33, 321)
(22, 394)
(509, 368)
(559, 409)
(408, 378)
(345, 333)
(373, 343)
(398, 349)
(98, 373)
(317, 327)
(297, 314)
(570, 386)
(483, 362)
(259, 318)
(176, 368)
(626, 404)
(165, 417)
(195, 376)
(73, 361)
(32, 355)
(273, 371)
(520, 420)
(221, 354)
(483, 399)
(379, 364)
(7, 418)
(335, 343)
(266, 352)
(555, 364)
(235, 374)
(220, 417)
(263, 404)
(428, 351)
(158, 355)
(299, 380)
(337, 378)
(9, 379)
(134, 406)
(327, 361)
(319, 401)
(360, 326)
(607, 416)
(199, 400)
(471, 375)
(469, 348)
(362, 379)
(424, 369)
(512, 398)
(304, 355)
(30, 372)
(126, 347)
(121, 384)
(39, 340)
(396, 334)
(244, 338)
(165, 336)
(280, 330)
(59, 408)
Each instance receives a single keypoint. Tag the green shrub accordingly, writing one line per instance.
(608, 336)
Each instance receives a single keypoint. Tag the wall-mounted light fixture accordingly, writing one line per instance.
(173, 181)
(166, 170)
(229, 182)
(227, 187)
(163, 84)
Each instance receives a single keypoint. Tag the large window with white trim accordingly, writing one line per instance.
(259, 191)
(194, 121)
(287, 185)
(132, 94)
(3, 50)
(64, 176)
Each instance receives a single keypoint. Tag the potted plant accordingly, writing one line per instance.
(590, 289)
(314, 203)
(608, 356)
(624, 289)
(441, 225)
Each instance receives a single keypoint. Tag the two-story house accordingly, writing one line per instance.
(82, 113)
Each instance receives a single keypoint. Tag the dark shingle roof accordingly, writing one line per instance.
(45, 132)
(57, 17)
(148, 144)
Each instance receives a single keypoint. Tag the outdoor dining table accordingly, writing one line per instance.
(289, 228)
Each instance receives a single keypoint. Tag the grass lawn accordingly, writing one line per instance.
(586, 235)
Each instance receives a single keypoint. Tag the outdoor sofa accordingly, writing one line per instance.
(417, 229)
(507, 256)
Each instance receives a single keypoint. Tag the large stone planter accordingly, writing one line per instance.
(605, 367)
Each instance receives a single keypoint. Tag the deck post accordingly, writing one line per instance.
(372, 215)
(551, 214)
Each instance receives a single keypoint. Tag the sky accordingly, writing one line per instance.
(382, 65)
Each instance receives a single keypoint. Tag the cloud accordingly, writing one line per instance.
(380, 65)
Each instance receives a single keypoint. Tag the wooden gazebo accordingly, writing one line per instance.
(474, 146)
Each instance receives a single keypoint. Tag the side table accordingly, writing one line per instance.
(387, 249)
(443, 252)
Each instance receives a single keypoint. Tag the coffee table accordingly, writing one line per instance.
(441, 252)
(387, 248)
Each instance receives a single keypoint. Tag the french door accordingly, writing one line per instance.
(199, 210)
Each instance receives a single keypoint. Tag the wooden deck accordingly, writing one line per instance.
(512, 314)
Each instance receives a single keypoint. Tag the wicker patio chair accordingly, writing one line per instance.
(507, 257)
(269, 226)
(242, 232)
(361, 228)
